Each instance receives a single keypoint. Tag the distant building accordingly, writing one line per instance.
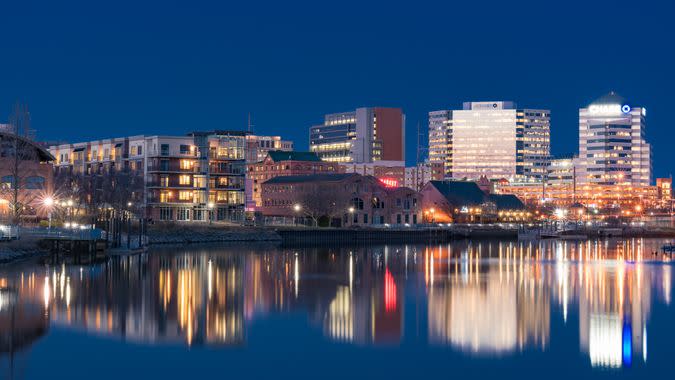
(464, 201)
(612, 145)
(417, 176)
(26, 179)
(366, 135)
(390, 173)
(257, 146)
(492, 139)
(280, 163)
(665, 190)
(340, 199)
(197, 177)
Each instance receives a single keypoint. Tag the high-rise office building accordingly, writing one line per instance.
(491, 139)
(440, 140)
(366, 135)
(612, 146)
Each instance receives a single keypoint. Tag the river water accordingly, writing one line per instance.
(480, 309)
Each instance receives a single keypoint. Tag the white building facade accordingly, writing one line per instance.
(491, 139)
(612, 145)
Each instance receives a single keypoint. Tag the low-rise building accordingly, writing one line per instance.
(197, 177)
(282, 163)
(417, 176)
(26, 178)
(345, 199)
(258, 146)
(390, 173)
(464, 201)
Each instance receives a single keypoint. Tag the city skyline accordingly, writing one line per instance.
(164, 80)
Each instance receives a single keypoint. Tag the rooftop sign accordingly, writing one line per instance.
(608, 109)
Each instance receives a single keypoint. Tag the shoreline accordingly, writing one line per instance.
(166, 236)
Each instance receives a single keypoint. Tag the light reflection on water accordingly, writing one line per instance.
(476, 298)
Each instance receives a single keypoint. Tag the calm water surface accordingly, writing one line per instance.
(551, 309)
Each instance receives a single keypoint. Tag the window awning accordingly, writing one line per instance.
(78, 149)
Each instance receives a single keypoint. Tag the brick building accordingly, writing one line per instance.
(344, 199)
(282, 163)
(26, 178)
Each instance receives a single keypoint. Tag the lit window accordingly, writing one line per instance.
(186, 164)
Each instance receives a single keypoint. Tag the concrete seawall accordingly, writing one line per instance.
(382, 236)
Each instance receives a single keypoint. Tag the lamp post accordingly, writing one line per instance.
(296, 208)
(351, 214)
(211, 205)
(49, 203)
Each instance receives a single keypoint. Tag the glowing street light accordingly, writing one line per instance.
(49, 202)
(210, 205)
(296, 208)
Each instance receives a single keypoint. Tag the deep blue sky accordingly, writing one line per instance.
(95, 69)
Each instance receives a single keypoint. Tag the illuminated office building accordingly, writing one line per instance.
(491, 139)
(612, 145)
(366, 135)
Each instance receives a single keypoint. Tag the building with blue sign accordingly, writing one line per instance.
(612, 145)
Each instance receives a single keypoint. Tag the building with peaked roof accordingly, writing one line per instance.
(26, 177)
(464, 201)
(282, 163)
(345, 199)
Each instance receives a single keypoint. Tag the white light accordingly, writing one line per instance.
(606, 109)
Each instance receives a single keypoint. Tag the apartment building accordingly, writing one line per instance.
(197, 177)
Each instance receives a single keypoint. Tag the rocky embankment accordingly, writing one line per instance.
(177, 234)
(20, 250)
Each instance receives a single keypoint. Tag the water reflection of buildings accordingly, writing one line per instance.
(166, 299)
(490, 297)
(482, 306)
(368, 304)
(497, 297)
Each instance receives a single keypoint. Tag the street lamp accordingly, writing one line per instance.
(296, 208)
(211, 205)
(49, 202)
(351, 214)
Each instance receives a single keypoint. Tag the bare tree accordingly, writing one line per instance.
(323, 201)
(20, 153)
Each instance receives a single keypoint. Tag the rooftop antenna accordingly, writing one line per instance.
(420, 154)
(250, 125)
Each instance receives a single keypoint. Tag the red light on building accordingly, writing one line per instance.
(389, 182)
(389, 291)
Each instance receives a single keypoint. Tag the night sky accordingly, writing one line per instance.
(93, 69)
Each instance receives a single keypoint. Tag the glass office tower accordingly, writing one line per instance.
(491, 139)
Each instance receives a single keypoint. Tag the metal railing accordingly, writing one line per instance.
(65, 233)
